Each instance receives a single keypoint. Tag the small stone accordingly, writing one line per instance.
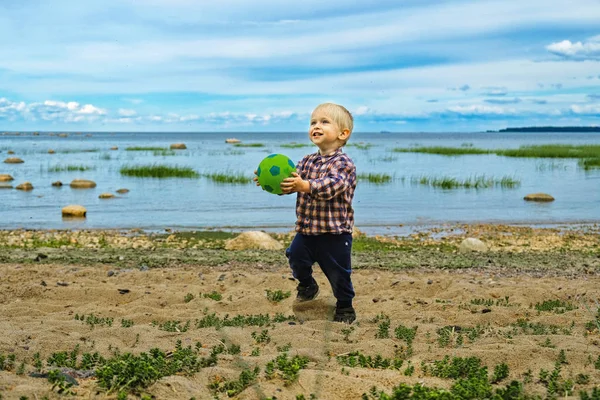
(62, 283)
(110, 273)
(123, 291)
(222, 277)
(26, 186)
(82, 184)
(376, 300)
(57, 183)
(429, 281)
(538, 197)
(144, 268)
(13, 160)
(123, 191)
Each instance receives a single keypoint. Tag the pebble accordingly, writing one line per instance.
(429, 281)
(62, 283)
(110, 273)
(144, 268)
(222, 277)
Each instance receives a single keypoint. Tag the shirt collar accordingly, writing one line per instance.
(336, 152)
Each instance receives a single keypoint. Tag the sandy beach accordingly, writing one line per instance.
(529, 304)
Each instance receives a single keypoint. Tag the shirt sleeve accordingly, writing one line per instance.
(300, 167)
(339, 178)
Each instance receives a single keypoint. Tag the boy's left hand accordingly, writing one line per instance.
(294, 184)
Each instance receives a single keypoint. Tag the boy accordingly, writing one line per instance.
(325, 183)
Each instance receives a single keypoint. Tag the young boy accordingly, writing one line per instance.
(325, 183)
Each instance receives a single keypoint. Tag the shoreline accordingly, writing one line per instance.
(368, 229)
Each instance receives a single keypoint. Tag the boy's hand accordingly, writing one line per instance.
(294, 184)
(255, 179)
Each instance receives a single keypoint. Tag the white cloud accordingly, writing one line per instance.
(495, 91)
(90, 109)
(362, 110)
(477, 109)
(125, 112)
(587, 109)
(588, 50)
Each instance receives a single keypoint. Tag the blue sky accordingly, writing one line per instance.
(262, 65)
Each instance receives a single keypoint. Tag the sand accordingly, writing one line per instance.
(39, 302)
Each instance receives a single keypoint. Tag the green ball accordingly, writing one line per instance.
(272, 170)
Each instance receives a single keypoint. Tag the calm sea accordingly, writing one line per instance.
(199, 203)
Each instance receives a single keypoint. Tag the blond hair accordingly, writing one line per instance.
(340, 115)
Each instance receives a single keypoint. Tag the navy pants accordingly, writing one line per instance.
(332, 253)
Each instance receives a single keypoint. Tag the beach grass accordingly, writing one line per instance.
(230, 177)
(553, 151)
(474, 182)
(375, 178)
(550, 166)
(589, 163)
(158, 171)
(383, 159)
(71, 151)
(444, 151)
(295, 145)
(149, 148)
(163, 153)
(249, 145)
(538, 151)
(68, 168)
(360, 146)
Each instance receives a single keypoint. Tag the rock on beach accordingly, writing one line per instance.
(253, 240)
(82, 184)
(538, 197)
(472, 244)
(6, 178)
(74, 210)
(178, 146)
(27, 186)
(13, 160)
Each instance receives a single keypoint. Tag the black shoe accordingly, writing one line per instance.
(306, 293)
(346, 315)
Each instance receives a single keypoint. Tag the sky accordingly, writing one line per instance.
(263, 65)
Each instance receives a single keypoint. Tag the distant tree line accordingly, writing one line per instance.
(553, 129)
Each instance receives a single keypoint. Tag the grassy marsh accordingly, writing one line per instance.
(538, 151)
(474, 182)
(589, 163)
(375, 178)
(249, 145)
(146, 148)
(158, 171)
(445, 151)
(69, 168)
(221, 177)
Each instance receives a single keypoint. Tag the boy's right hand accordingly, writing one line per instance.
(255, 179)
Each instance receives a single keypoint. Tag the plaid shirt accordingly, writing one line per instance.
(328, 206)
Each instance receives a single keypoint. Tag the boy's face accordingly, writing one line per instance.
(325, 133)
